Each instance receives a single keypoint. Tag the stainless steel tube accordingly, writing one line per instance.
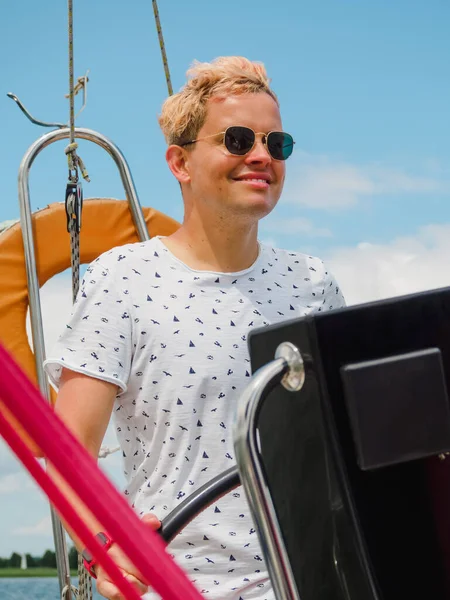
(253, 479)
(33, 283)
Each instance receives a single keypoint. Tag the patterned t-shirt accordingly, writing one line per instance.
(174, 340)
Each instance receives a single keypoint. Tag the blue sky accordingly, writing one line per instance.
(364, 88)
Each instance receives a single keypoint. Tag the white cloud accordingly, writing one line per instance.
(56, 305)
(321, 183)
(268, 240)
(405, 265)
(19, 481)
(295, 225)
(11, 483)
(42, 528)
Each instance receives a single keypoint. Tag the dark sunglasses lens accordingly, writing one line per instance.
(280, 145)
(239, 140)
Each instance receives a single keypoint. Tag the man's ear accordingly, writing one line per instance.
(177, 159)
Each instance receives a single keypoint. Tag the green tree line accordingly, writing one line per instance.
(48, 559)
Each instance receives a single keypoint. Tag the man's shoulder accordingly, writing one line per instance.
(310, 269)
(122, 257)
(296, 260)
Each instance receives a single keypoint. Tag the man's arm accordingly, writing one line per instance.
(85, 404)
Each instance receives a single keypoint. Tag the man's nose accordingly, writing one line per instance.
(259, 153)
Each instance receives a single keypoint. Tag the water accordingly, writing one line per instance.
(33, 588)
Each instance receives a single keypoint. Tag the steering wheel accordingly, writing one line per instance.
(194, 504)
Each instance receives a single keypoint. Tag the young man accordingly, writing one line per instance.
(159, 331)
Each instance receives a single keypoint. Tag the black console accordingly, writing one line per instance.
(355, 460)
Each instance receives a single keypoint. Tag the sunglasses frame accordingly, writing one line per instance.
(264, 139)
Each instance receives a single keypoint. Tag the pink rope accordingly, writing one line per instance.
(65, 509)
(143, 547)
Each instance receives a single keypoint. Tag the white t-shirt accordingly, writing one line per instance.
(175, 342)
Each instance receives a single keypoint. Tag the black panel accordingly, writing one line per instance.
(322, 545)
(398, 407)
(341, 523)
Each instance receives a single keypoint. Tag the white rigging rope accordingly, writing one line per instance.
(162, 47)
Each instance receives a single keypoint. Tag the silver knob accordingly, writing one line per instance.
(294, 379)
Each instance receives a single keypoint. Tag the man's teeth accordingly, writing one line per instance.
(262, 180)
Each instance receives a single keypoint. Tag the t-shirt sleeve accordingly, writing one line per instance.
(332, 295)
(97, 340)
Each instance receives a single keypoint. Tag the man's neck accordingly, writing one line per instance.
(220, 249)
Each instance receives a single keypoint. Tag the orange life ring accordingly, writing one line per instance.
(105, 223)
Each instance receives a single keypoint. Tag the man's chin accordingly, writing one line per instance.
(256, 207)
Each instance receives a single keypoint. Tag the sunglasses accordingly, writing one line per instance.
(240, 140)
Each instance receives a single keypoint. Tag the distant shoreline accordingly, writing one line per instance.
(37, 572)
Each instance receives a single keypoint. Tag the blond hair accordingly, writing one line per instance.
(183, 114)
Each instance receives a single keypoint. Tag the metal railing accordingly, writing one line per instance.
(287, 369)
(37, 332)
